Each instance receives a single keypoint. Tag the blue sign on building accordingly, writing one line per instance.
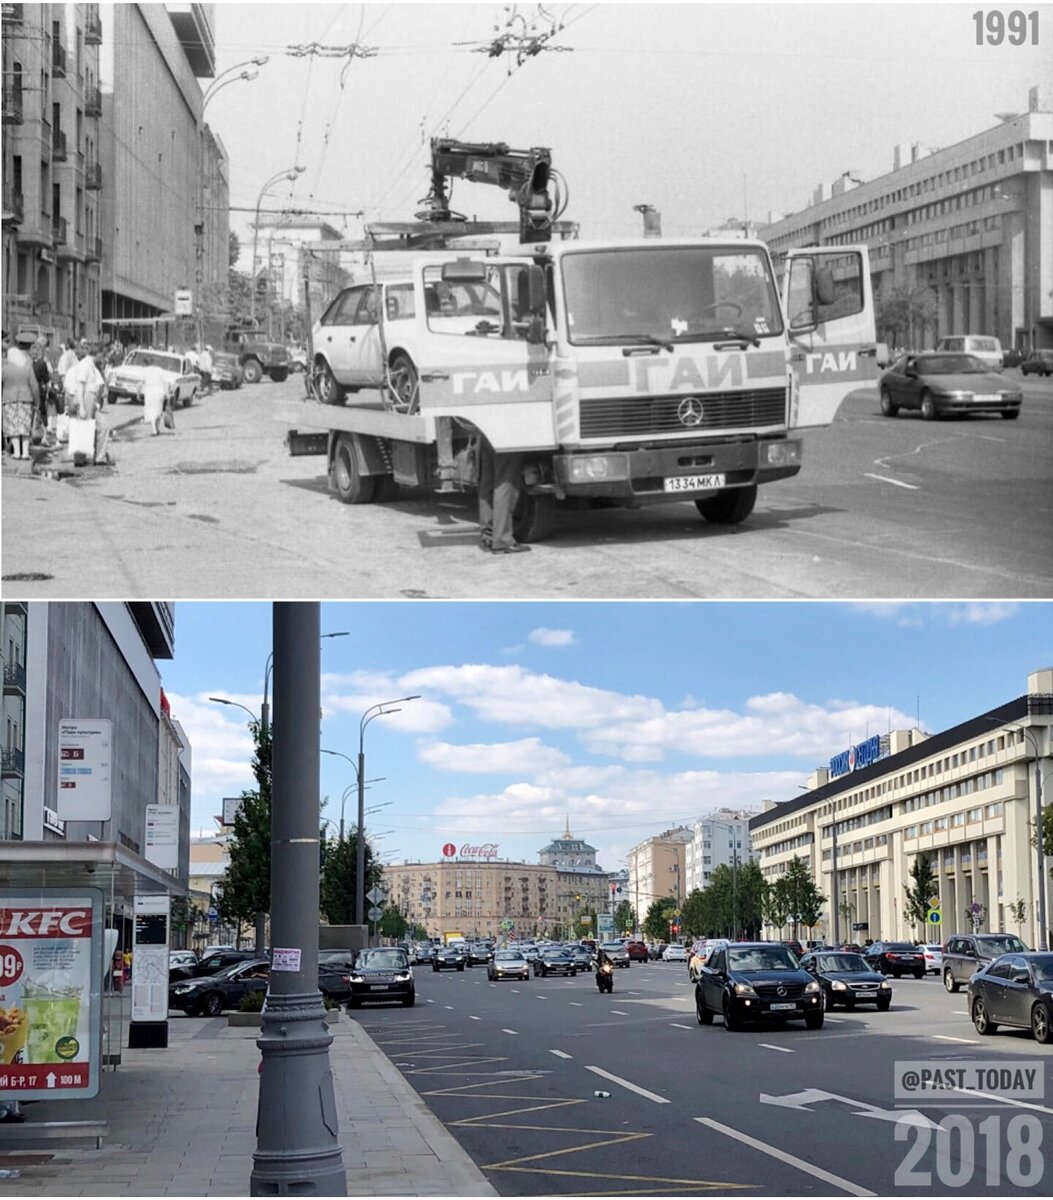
(855, 757)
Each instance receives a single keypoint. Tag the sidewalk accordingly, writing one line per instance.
(182, 1123)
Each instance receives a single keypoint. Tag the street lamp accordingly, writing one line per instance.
(221, 81)
(265, 708)
(343, 798)
(375, 710)
(292, 174)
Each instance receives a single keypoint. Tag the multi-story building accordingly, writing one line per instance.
(720, 838)
(962, 235)
(658, 869)
(285, 250)
(52, 174)
(965, 797)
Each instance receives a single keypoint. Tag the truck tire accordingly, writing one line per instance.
(731, 506)
(404, 389)
(188, 400)
(329, 391)
(346, 481)
(533, 517)
(279, 374)
(252, 370)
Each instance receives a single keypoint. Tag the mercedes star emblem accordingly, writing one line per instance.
(690, 411)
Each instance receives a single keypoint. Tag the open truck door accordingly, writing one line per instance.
(829, 306)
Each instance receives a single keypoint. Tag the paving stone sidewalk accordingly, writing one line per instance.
(182, 1123)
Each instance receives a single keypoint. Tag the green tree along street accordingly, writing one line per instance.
(339, 873)
(659, 914)
(921, 889)
(803, 900)
(392, 924)
(904, 313)
(624, 918)
(247, 881)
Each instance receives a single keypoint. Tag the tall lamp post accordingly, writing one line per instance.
(343, 798)
(292, 174)
(375, 710)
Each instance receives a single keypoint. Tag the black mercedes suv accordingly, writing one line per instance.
(752, 981)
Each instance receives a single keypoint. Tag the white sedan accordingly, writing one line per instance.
(933, 958)
(181, 378)
(674, 954)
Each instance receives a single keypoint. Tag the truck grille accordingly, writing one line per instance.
(630, 416)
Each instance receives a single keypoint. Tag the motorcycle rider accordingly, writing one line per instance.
(603, 959)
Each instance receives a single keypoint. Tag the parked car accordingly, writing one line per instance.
(554, 960)
(335, 968)
(752, 981)
(846, 979)
(943, 384)
(209, 995)
(987, 349)
(507, 964)
(217, 961)
(895, 958)
(1038, 362)
(967, 952)
(382, 974)
(674, 953)
(616, 952)
(1017, 990)
(226, 370)
(933, 957)
(794, 945)
(447, 957)
(128, 380)
(181, 958)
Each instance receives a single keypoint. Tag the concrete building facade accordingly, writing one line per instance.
(658, 869)
(965, 231)
(965, 796)
(720, 838)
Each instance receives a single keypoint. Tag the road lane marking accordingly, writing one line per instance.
(515, 991)
(959, 1012)
(542, 997)
(898, 483)
(1002, 1100)
(846, 1185)
(512, 1031)
(471, 1018)
(946, 1037)
(633, 1087)
(618, 1012)
(575, 1004)
(448, 1006)
(431, 1002)
(560, 1054)
(781, 1049)
(676, 1025)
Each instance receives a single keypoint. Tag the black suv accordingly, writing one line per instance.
(751, 981)
(896, 959)
(968, 952)
(448, 956)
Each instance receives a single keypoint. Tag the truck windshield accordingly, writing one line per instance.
(663, 294)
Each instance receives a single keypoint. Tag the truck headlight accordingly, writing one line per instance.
(588, 468)
(782, 454)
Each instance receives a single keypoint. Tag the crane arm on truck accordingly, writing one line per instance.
(528, 176)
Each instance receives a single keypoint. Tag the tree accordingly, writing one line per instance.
(921, 889)
(659, 914)
(903, 312)
(752, 889)
(392, 924)
(233, 248)
(625, 918)
(247, 881)
(693, 914)
(339, 872)
(804, 901)
(775, 904)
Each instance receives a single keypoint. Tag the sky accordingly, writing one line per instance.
(623, 717)
(705, 111)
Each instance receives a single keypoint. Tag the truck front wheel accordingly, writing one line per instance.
(329, 391)
(533, 517)
(345, 479)
(731, 506)
(252, 370)
(279, 374)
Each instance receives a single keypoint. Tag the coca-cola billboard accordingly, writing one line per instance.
(486, 851)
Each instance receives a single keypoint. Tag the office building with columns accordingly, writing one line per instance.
(966, 797)
(963, 234)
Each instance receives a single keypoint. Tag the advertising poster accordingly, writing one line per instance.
(50, 992)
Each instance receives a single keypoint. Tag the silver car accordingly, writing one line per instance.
(507, 964)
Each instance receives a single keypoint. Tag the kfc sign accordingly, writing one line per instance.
(487, 850)
(45, 923)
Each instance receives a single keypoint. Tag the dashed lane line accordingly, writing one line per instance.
(913, 487)
(625, 1083)
(781, 1049)
(846, 1185)
(471, 1018)
(677, 1025)
(946, 1037)
(514, 1032)
(618, 1012)
(575, 1004)
(560, 1054)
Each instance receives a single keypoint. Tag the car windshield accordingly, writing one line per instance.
(1006, 944)
(842, 962)
(762, 958)
(228, 971)
(951, 364)
(1042, 965)
(674, 294)
(389, 960)
(150, 358)
(508, 956)
(612, 946)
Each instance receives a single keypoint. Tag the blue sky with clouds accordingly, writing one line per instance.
(624, 717)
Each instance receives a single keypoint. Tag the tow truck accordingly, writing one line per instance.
(626, 372)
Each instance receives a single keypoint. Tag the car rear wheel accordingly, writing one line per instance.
(981, 1021)
(403, 384)
(189, 399)
(329, 391)
(728, 507)
(1041, 1026)
(928, 407)
(919, 974)
(213, 1004)
(888, 406)
(949, 981)
(702, 1014)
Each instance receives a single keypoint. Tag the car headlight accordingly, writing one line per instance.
(885, 985)
(814, 986)
(180, 988)
(357, 979)
(837, 985)
(744, 989)
(405, 978)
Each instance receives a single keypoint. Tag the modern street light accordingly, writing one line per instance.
(292, 174)
(265, 707)
(375, 710)
(343, 798)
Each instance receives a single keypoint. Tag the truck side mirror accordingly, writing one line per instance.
(537, 295)
(824, 290)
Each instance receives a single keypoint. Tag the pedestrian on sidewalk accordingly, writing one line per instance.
(43, 376)
(204, 365)
(67, 359)
(154, 391)
(500, 482)
(20, 395)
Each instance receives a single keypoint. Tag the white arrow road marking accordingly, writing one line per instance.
(781, 1049)
(888, 479)
(853, 1189)
(560, 1054)
(633, 1087)
(801, 1101)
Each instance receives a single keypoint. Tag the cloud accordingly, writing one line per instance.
(979, 612)
(528, 756)
(552, 637)
(221, 744)
(358, 692)
(903, 613)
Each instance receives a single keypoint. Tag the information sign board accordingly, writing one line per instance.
(84, 770)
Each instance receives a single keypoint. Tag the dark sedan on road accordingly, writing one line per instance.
(212, 963)
(1016, 989)
(895, 958)
(382, 974)
(211, 994)
(846, 979)
(753, 981)
(582, 956)
(941, 384)
(448, 958)
(1038, 362)
(616, 952)
(554, 960)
